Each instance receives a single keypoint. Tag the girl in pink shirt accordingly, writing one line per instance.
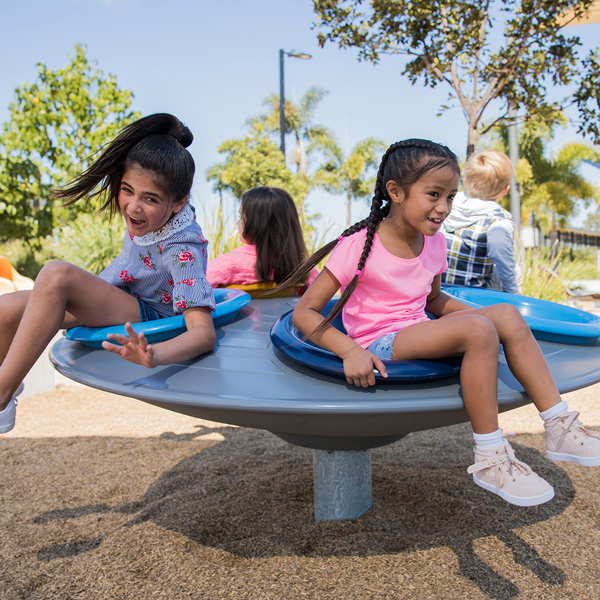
(273, 242)
(388, 267)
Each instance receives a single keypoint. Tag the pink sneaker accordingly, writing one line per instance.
(498, 471)
(567, 439)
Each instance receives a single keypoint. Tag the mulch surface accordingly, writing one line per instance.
(211, 512)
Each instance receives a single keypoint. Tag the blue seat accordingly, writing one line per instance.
(228, 304)
(549, 321)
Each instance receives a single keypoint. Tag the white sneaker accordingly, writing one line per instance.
(498, 471)
(7, 416)
(567, 439)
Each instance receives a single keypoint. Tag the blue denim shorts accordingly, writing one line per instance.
(382, 346)
(147, 313)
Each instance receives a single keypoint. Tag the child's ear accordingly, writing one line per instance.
(395, 191)
(179, 205)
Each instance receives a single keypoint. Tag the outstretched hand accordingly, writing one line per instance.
(134, 347)
(358, 367)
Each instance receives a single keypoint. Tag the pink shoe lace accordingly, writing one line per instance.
(496, 461)
(571, 421)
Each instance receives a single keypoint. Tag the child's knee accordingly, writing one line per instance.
(509, 311)
(511, 319)
(56, 274)
(482, 331)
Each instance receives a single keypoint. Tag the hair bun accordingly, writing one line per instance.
(186, 137)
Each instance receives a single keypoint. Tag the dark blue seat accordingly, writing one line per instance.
(290, 343)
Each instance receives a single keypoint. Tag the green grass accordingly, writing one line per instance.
(547, 275)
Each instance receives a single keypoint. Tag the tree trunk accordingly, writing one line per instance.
(472, 137)
(348, 215)
(299, 161)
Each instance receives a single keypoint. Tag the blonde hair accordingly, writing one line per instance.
(487, 174)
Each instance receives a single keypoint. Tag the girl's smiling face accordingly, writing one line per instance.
(428, 202)
(144, 205)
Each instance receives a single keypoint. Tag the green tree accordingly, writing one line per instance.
(298, 122)
(255, 159)
(56, 124)
(551, 183)
(592, 222)
(349, 175)
(557, 184)
(483, 50)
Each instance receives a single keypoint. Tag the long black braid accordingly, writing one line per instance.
(404, 162)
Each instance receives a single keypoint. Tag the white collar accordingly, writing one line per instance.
(179, 222)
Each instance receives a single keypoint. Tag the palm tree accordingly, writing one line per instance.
(348, 175)
(298, 121)
(551, 183)
(254, 159)
(558, 184)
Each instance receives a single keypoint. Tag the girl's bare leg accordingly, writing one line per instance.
(63, 296)
(474, 336)
(12, 307)
(523, 354)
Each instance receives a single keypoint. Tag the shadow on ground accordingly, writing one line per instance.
(251, 495)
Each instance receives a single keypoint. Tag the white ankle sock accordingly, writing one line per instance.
(488, 440)
(555, 411)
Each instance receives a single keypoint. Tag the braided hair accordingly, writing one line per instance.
(404, 162)
(156, 143)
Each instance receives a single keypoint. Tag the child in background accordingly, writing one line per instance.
(273, 244)
(388, 267)
(479, 232)
(146, 175)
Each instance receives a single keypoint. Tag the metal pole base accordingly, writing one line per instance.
(342, 482)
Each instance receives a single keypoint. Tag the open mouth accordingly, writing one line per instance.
(135, 222)
(436, 221)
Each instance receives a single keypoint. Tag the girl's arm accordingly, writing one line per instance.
(500, 247)
(358, 362)
(439, 303)
(199, 338)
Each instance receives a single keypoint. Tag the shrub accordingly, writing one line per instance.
(547, 274)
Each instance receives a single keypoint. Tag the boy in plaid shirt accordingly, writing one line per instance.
(479, 232)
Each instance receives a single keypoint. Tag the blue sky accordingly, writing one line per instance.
(212, 63)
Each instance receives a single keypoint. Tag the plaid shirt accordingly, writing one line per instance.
(468, 260)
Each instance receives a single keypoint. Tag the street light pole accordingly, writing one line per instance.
(281, 104)
(283, 53)
(513, 152)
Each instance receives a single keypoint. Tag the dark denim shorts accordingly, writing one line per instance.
(147, 313)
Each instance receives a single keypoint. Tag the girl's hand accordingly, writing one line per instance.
(358, 367)
(134, 347)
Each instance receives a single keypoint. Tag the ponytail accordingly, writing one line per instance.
(156, 143)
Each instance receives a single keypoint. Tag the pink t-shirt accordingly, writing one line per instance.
(237, 266)
(391, 292)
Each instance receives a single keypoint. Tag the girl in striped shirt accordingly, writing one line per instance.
(145, 174)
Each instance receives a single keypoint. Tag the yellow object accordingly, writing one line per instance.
(10, 279)
(257, 290)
